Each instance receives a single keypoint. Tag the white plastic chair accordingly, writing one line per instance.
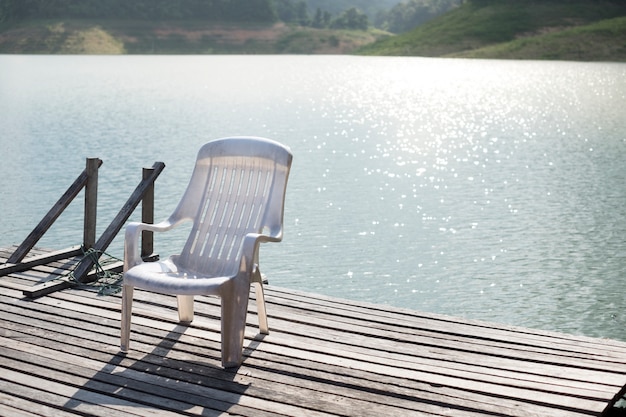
(235, 199)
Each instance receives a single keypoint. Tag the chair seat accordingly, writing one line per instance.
(167, 278)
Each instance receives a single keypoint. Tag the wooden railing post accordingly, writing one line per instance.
(147, 215)
(91, 203)
(81, 273)
(116, 225)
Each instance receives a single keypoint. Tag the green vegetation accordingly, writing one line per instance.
(208, 10)
(601, 41)
(86, 36)
(516, 29)
(519, 29)
(335, 7)
(411, 13)
(180, 27)
(60, 38)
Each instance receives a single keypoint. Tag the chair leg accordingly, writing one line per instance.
(234, 313)
(185, 308)
(127, 308)
(260, 305)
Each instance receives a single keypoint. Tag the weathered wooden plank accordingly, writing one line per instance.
(6, 410)
(407, 321)
(517, 372)
(197, 393)
(402, 358)
(65, 282)
(14, 405)
(217, 352)
(323, 357)
(109, 386)
(411, 318)
(507, 365)
(457, 348)
(66, 396)
(198, 374)
(501, 407)
(217, 349)
(177, 371)
(462, 347)
(316, 402)
(38, 260)
(505, 338)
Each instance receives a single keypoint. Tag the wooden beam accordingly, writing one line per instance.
(91, 203)
(118, 222)
(82, 272)
(147, 215)
(45, 288)
(65, 282)
(10, 268)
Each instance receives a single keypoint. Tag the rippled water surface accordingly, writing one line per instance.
(492, 190)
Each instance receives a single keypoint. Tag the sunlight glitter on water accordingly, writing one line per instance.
(485, 189)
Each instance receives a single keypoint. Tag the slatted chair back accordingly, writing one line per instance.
(237, 188)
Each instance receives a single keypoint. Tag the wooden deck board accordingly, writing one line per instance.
(59, 355)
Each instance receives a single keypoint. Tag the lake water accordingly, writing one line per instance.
(492, 190)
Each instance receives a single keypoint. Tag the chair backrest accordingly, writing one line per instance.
(237, 187)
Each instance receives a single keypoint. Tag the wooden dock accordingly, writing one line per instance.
(59, 356)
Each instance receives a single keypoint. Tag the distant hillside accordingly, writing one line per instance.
(518, 29)
(369, 7)
(582, 30)
(179, 27)
(111, 36)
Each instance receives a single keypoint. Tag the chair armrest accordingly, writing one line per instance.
(266, 238)
(132, 255)
(269, 234)
(250, 250)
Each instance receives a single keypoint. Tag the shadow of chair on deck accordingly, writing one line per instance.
(171, 377)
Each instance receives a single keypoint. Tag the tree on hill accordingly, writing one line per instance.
(406, 16)
(211, 10)
(292, 11)
(322, 19)
(261, 11)
(337, 7)
(352, 18)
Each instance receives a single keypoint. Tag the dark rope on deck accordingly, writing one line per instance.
(107, 282)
